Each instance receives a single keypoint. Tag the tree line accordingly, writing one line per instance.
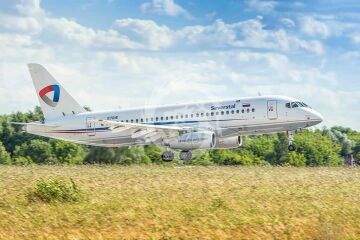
(320, 147)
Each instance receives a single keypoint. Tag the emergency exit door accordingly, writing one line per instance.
(272, 109)
(90, 126)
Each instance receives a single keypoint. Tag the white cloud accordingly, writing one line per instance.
(262, 5)
(137, 34)
(287, 22)
(146, 33)
(165, 7)
(30, 8)
(29, 25)
(356, 38)
(313, 27)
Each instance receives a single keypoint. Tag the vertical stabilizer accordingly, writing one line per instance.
(54, 100)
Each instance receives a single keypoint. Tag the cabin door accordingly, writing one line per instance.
(90, 126)
(272, 109)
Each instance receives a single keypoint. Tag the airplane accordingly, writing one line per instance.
(184, 127)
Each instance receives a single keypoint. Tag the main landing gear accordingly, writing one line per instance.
(168, 155)
(291, 146)
(185, 155)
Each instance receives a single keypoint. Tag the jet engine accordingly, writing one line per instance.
(229, 142)
(193, 140)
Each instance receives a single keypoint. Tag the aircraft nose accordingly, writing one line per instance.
(315, 116)
(318, 116)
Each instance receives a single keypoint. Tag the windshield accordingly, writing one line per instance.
(296, 104)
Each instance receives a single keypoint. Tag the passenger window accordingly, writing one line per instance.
(162, 118)
(207, 114)
(127, 121)
(248, 110)
(197, 115)
(171, 117)
(212, 113)
(253, 110)
(238, 111)
(232, 112)
(227, 112)
(186, 116)
(217, 113)
(222, 112)
(242, 111)
(167, 118)
(137, 120)
(131, 120)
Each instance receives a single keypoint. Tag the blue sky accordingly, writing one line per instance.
(117, 53)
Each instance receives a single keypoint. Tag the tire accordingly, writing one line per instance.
(167, 156)
(291, 147)
(185, 155)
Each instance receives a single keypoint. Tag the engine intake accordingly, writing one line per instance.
(193, 140)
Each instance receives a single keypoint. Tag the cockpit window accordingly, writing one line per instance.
(294, 105)
(298, 104)
(287, 105)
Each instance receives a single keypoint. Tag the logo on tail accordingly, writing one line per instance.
(51, 88)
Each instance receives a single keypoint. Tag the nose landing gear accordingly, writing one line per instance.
(291, 146)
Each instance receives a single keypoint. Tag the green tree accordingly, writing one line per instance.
(126, 155)
(69, 153)
(239, 156)
(262, 146)
(4, 155)
(100, 155)
(154, 153)
(318, 148)
(296, 159)
(21, 160)
(6, 133)
(203, 159)
(280, 154)
(37, 150)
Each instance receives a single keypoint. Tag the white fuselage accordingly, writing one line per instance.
(237, 117)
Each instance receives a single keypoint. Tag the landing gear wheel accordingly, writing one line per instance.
(185, 155)
(167, 156)
(291, 147)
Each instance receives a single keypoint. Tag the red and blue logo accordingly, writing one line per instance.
(51, 88)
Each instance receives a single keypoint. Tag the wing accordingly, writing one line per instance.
(38, 125)
(150, 133)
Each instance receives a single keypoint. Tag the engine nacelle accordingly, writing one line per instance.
(229, 142)
(193, 140)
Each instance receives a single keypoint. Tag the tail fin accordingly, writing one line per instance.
(55, 101)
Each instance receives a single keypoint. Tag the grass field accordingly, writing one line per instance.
(185, 203)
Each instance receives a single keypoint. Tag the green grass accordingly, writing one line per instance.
(142, 202)
(55, 190)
